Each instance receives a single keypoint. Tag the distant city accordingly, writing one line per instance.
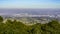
(30, 15)
(30, 12)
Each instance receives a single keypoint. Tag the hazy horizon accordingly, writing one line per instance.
(30, 11)
(34, 7)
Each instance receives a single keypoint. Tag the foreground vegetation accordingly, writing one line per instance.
(16, 27)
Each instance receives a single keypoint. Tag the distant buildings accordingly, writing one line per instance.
(30, 15)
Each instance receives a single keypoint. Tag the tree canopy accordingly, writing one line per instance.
(1, 19)
(16, 27)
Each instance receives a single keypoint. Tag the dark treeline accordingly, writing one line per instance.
(15, 27)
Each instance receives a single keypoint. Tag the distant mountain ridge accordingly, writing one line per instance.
(30, 11)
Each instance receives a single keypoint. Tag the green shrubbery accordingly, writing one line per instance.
(15, 27)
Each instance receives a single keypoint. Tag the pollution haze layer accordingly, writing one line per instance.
(30, 11)
(37, 7)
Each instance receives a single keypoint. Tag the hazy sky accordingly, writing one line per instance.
(29, 3)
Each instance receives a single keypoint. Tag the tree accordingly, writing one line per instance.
(1, 19)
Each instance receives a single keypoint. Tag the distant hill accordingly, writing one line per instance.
(30, 11)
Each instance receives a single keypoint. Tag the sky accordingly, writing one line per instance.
(29, 3)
